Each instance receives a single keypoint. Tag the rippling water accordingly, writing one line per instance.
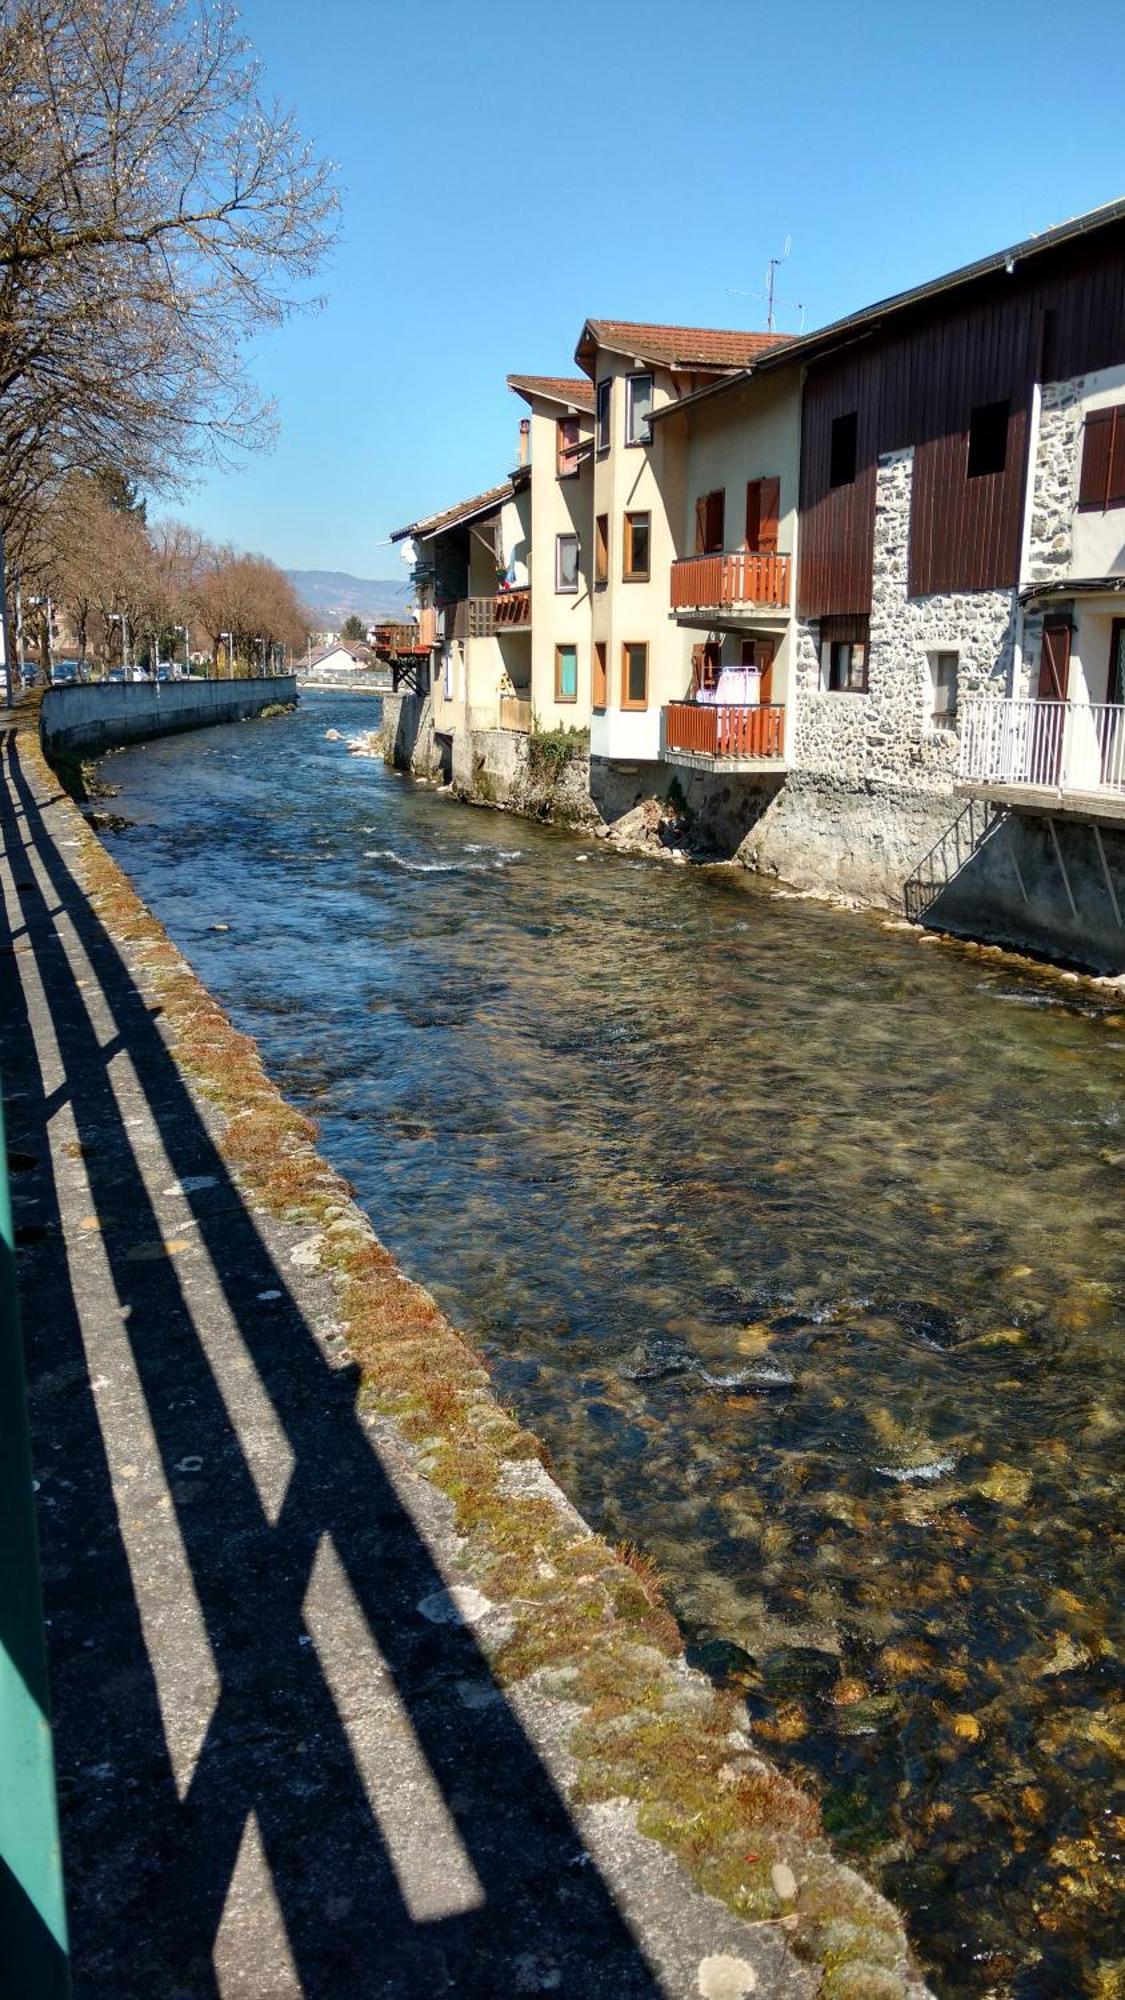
(799, 1241)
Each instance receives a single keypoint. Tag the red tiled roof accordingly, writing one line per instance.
(573, 390)
(676, 346)
(481, 503)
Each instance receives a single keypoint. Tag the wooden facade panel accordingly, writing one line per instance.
(916, 385)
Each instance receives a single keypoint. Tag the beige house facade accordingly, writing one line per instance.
(558, 437)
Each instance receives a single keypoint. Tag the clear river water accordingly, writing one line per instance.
(800, 1242)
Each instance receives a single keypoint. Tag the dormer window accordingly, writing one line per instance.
(567, 447)
(638, 408)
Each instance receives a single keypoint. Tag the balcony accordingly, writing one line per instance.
(515, 713)
(744, 581)
(1047, 755)
(707, 735)
(483, 617)
(406, 641)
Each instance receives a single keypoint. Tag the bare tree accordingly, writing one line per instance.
(155, 212)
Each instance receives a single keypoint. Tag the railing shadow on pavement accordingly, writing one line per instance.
(975, 825)
(151, 1845)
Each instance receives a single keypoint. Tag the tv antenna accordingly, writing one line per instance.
(769, 294)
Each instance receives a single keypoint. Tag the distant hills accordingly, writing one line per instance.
(331, 594)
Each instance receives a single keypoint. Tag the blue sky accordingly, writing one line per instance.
(507, 172)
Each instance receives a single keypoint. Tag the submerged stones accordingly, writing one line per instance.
(661, 1360)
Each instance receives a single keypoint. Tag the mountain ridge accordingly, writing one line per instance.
(331, 595)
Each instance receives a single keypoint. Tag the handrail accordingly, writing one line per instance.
(1054, 745)
(742, 577)
(725, 729)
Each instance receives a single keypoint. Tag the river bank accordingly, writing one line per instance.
(577, 1635)
(647, 1130)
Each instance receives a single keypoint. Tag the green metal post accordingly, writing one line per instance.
(34, 1958)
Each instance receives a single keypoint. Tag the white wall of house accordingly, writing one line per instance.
(637, 479)
(561, 618)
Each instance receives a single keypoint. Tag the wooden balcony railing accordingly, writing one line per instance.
(515, 713)
(730, 582)
(711, 729)
(403, 641)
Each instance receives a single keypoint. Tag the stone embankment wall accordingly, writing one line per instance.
(495, 767)
(81, 721)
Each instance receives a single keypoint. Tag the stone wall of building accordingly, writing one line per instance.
(1054, 489)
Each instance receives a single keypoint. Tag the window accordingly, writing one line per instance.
(604, 396)
(634, 676)
(566, 673)
(601, 675)
(635, 557)
(1101, 484)
(566, 562)
(638, 408)
(763, 498)
(601, 551)
(566, 448)
(943, 681)
(843, 655)
(988, 439)
(710, 511)
(842, 451)
(447, 673)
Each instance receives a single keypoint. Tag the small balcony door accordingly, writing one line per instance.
(762, 500)
(1054, 679)
(759, 652)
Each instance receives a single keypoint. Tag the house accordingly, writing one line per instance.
(560, 451)
(641, 656)
(341, 657)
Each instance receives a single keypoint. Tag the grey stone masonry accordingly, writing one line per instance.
(1054, 493)
(887, 736)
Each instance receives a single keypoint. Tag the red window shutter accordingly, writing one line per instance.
(697, 653)
(770, 490)
(701, 525)
(716, 507)
(1097, 444)
(1115, 495)
(753, 513)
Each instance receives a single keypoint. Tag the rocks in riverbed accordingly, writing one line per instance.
(661, 1360)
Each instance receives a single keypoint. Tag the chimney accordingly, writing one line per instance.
(525, 439)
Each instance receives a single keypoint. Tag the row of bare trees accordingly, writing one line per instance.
(119, 582)
(157, 211)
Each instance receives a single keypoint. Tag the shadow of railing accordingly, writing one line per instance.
(128, 1385)
(949, 857)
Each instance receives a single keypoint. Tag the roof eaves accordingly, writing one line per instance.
(855, 325)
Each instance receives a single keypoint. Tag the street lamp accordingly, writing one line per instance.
(187, 647)
(229, 637)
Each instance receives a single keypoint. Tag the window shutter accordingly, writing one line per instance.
(716, 507)
(1097, 444)
(1115, 495)
(770, 496)
(697, 653)
(753, 514)
(701, 524)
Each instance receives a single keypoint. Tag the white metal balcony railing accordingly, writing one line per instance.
(1056, 745)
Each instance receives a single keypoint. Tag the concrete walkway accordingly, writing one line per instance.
(285, 1767)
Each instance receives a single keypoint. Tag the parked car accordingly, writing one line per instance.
(29, 674)
(64, 673)
(116, 674)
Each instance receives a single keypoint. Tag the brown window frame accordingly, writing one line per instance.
(599, 691)
(1101, 487)
(603, 418)
(601, 551)
(566, 451)
(565, 646)
(638, 375)
(567, 589)
(850, 631)
(629, 573)
(628, 646)
(711, 522)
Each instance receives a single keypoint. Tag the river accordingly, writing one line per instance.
(799, 1241)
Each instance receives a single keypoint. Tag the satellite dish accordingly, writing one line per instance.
(407, 551)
